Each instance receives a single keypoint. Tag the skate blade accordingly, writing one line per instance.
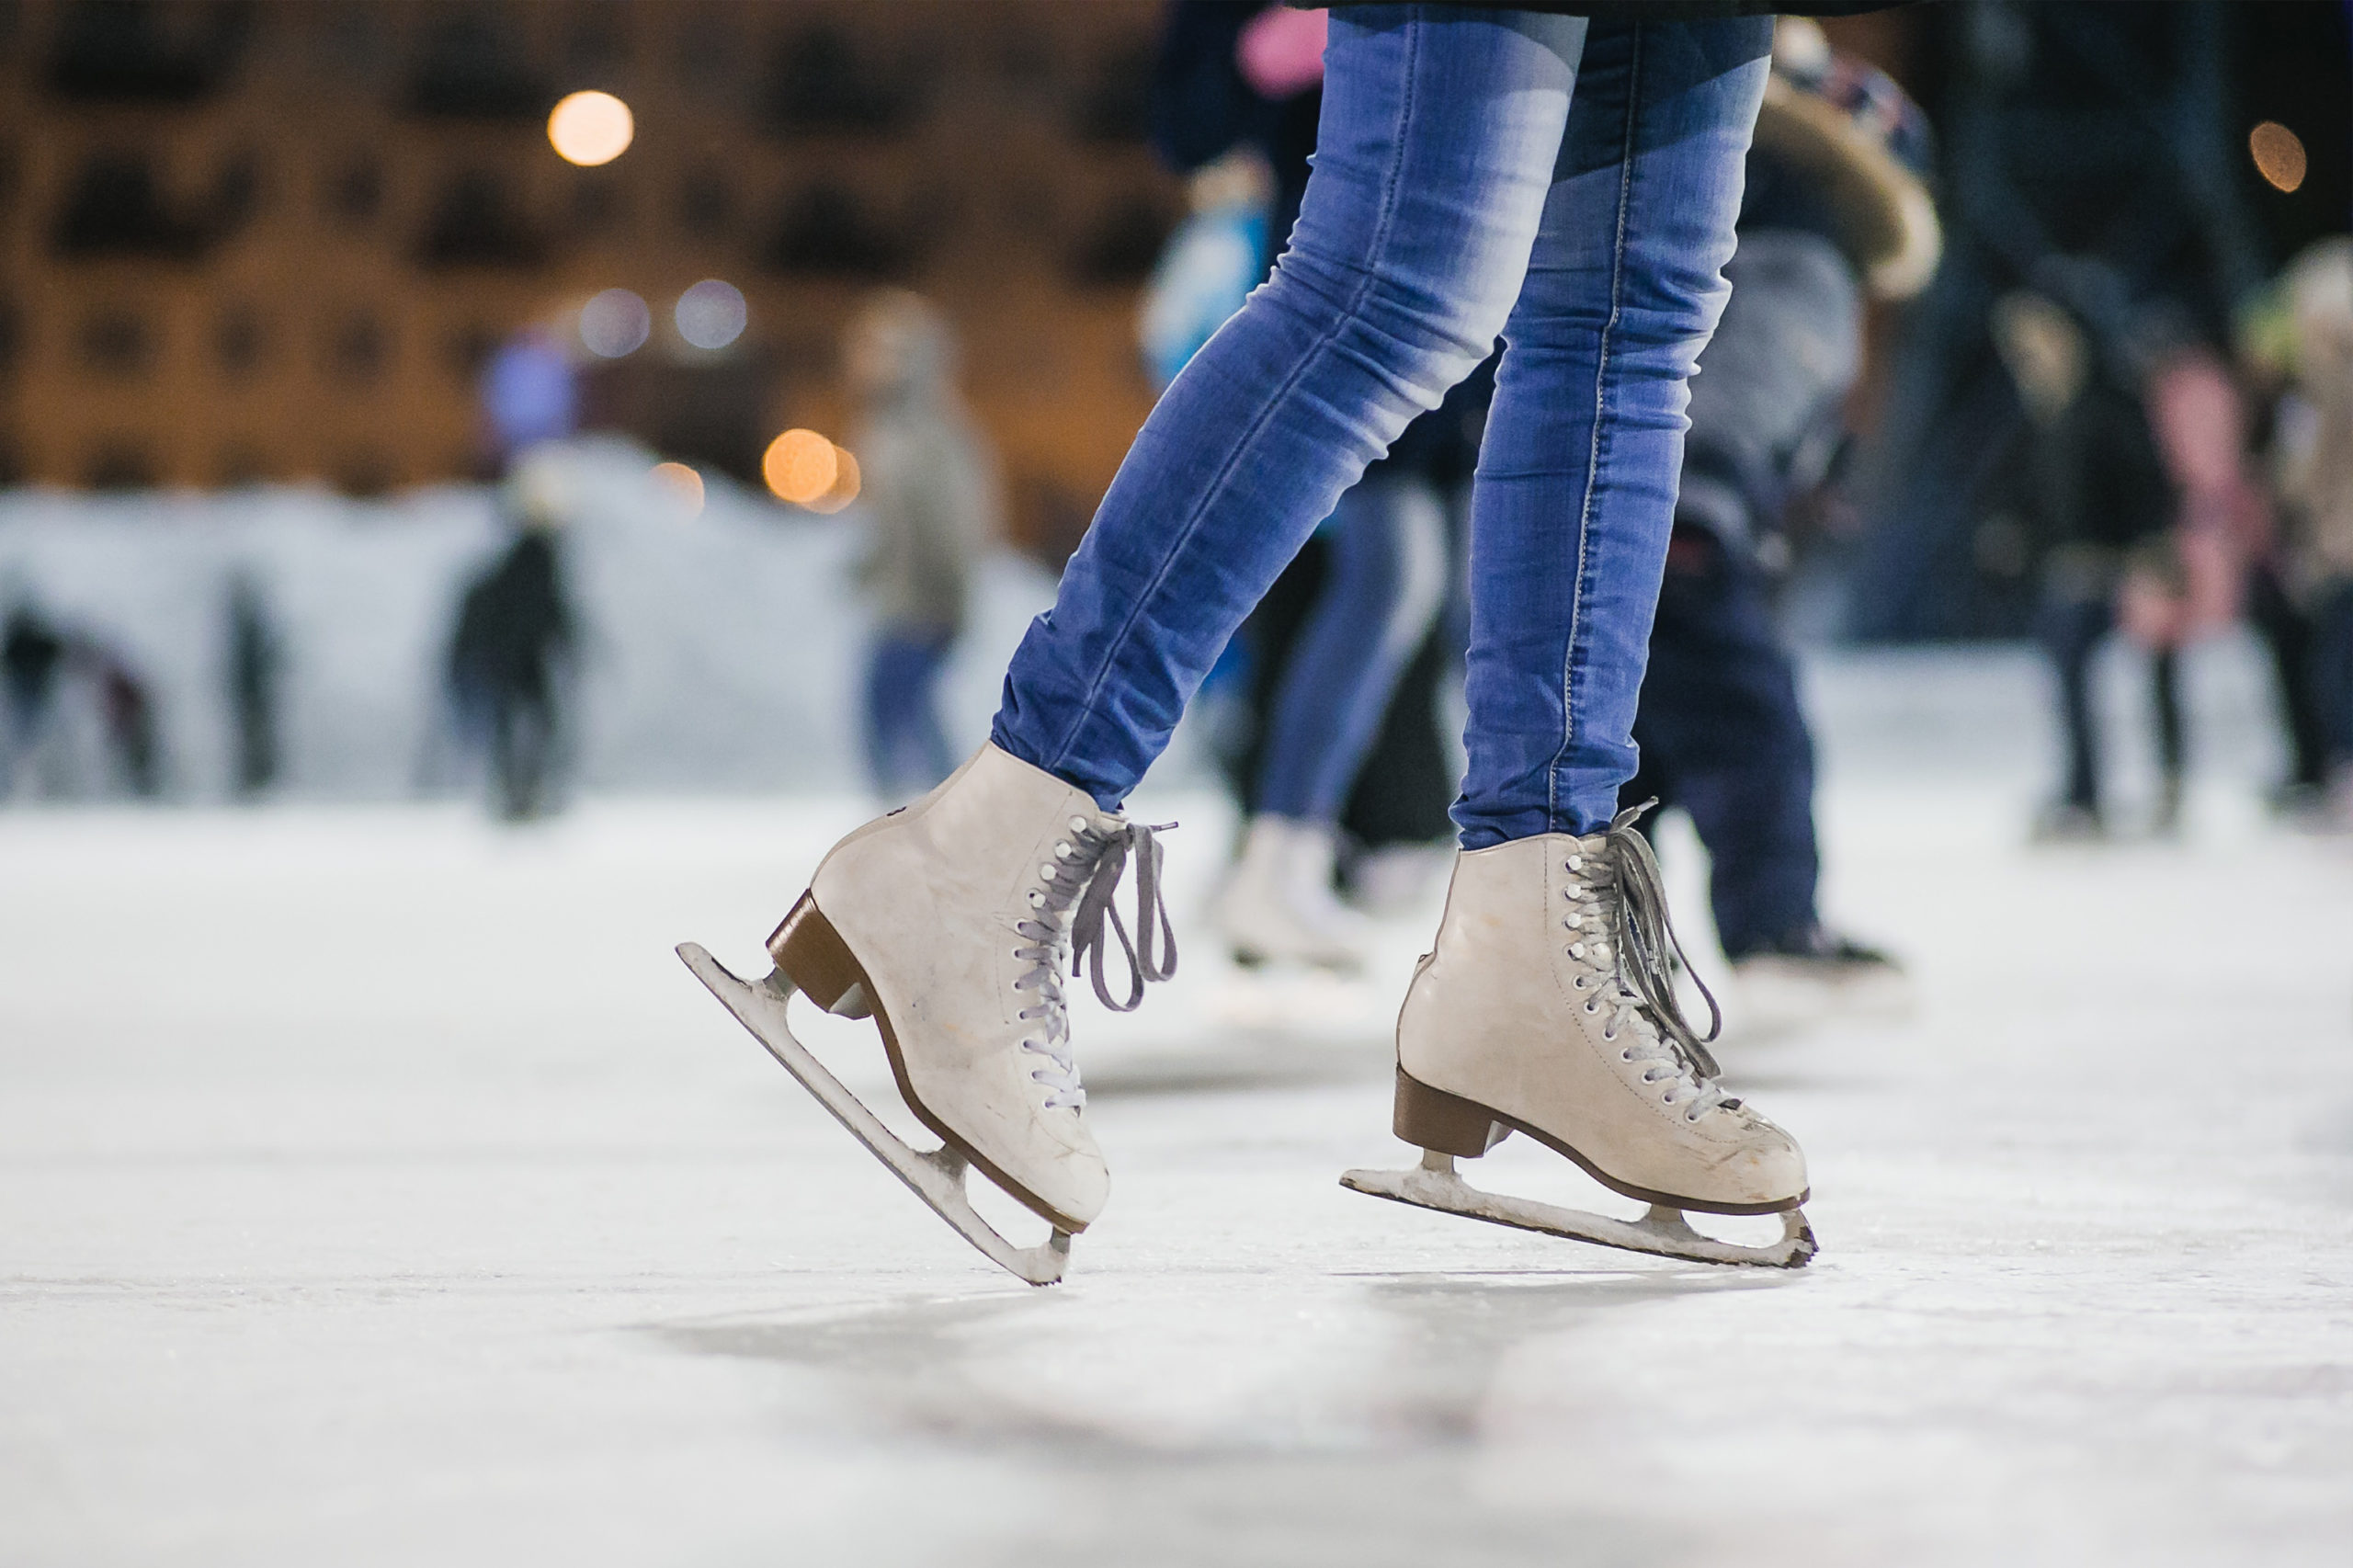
(936, 1175)
(1663, 1233)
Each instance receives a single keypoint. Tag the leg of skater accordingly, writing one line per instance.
(951, 920)
(1720, 703)
(2072, 629)
(1384, 582)
(1441, 156)
(906, 749)
(1720, 719)
(1547, 1004)
(2164, 699)
(2332, 692)
(2287, 632)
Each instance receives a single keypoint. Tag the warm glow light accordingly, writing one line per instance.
(2278, 155)
(843, 490)
(801, 467)
(684, 485)
(589, 129)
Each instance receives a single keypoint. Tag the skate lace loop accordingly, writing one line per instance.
(1078, 881)
(1646, 1012)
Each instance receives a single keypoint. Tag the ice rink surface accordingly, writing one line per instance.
(375, 1188)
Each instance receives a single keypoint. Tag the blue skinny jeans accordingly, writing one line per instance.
(1569, 187)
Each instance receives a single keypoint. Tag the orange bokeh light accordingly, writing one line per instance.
(589, 129)
(2278, 155)
(801, 466)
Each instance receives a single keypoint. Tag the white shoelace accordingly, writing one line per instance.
(1618, 926)
(1079, 881)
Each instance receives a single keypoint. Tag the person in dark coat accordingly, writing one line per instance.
(1835, 211)
(31, 654)
(255, 660)
(508, 653)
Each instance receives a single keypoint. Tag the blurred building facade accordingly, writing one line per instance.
(278, 241)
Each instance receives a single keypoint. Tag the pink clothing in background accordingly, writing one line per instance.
(1280, 51)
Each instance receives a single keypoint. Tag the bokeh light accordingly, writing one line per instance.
(800, 466)
(683, 485)
(2278, 155)
(589, 129)
(843, 489)
(712, 314)
(614, 323)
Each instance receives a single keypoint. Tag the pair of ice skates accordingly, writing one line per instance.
(1545, 1007)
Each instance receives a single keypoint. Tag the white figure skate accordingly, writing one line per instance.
(950, 923)
(1279, 907)
(1546, 1007)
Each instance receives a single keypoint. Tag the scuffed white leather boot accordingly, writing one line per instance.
(1279, 907)
(951, 920)
(1546, 1007)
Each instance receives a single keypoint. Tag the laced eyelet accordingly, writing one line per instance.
(1610, 1036)
(1593, 1006)
(1576, 862)
(1078, 825)
(1625, 1056)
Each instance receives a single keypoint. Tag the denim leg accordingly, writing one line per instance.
(2070, 630)
(2164, 701)
(907, 748)
(2287, 631)
(1575, 490)
(1387, 575)
(1721, 727)
(2333, 671)
(1439, 131)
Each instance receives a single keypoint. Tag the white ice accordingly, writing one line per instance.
(375, 1188)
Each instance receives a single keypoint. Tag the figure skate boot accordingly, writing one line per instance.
(1280, 908)
(949, 922)
(1546, 1007)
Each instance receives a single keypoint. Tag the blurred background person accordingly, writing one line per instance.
(2098, 498)
(1836, 211)
(127, 713)
(931, 504)
(2028, 474)
(2315, 468)
(255, 661)
(509, 653)
(31, 652)
(81, 719)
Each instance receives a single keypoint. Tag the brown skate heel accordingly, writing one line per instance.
(810, 953)
(1444, 1123)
